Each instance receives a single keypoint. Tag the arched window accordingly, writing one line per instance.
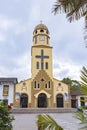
(38, 85)
(46, 65)
(49, 84)
(59, 84)
(36, 40)
(42, 66)
(42, 52)
(37, 65)
(47, 32)
(36, 32)
(42, 30)
(45, 85)
(35, 84)
(47, 40)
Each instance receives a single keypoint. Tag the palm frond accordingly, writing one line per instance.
(45, 121)
(80, 116)
(83, 120)
(85, 33)
(74, 9)
(84, 80)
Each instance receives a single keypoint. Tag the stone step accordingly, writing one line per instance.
(42, 110)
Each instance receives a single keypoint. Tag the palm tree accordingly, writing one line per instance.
(46, 122)
(74, 10)
(84, 80)
(80, 115)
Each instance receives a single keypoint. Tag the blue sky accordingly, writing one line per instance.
(18, 19)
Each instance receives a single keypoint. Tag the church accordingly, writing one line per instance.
(42, 90)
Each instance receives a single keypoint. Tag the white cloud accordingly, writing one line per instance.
(6, 23)
(17, 21)
(65, 69)
(21, 70)
(2, 37)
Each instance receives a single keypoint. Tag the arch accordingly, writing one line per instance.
(60, 100)
(24, 100)
(41, 30)
(42, 100)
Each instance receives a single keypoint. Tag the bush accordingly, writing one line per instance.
(5, 118)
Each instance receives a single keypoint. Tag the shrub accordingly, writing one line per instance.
(5, 117)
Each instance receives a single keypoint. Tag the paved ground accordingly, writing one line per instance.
(28, 121)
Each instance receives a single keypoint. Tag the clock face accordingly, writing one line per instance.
(41, 38)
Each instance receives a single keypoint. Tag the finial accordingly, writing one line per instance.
(41, 21)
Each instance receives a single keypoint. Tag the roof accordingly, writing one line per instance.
(75, 92)
(41, 26)
(14, 80)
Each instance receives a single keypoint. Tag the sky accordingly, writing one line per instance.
(18, 19)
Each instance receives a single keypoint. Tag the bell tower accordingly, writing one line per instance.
(41, 52)
(41, 35)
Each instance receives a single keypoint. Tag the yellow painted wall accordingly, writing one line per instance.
(37, 51)
(20, 88)
(60, 89)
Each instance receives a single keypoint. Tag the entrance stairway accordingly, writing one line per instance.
(42, 110)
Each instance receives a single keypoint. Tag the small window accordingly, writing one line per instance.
(41, 30)
(59, 84)
(36, 40)
(42, 66)
(38, 85)
(46, 65)
(37, 65)
(42, 80)
(5, 90)
(24, 84)
(47, 32)
(45, 85)
(35, 85)
(36, 32)
(47, 40)
(49, 84)
(42, 52)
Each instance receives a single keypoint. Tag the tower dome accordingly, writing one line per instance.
(41, 26)
(41, 35)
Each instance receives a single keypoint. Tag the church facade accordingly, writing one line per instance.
(42, 90)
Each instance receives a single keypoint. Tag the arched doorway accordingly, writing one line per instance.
(59, 100)
(24, 101)
(42, 100)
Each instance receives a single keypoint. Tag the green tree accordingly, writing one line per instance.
(74, 84)
(46, 122)
(5, 118)
(74, 10)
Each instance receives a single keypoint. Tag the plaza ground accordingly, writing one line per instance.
(28, 121)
